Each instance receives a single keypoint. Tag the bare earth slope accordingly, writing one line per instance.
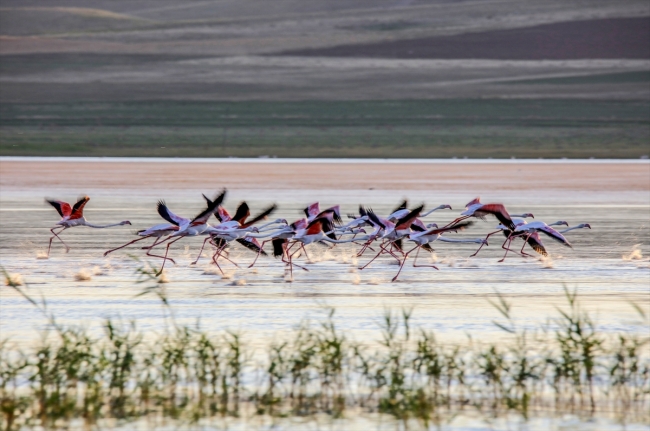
(61, 58)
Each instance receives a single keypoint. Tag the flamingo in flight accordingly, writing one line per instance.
(403, 210)
(533, 239)
(193, 227)
(517, 219)
(318, 230)
(237, 228)
(391, 233)
(158, 231)
(313, 211)
(73, 217)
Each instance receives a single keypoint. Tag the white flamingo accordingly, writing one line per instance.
(425, 237)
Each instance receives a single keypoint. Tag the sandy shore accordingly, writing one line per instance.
(597, 182)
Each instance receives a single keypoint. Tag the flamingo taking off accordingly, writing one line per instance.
(73, 217)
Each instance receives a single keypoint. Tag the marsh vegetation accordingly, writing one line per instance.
(186, 374)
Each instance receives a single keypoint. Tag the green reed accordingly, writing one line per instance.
(186, 374)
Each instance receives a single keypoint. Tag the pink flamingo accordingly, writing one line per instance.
(535, 242)
(193, 227)
(391, 232)
(72, 217)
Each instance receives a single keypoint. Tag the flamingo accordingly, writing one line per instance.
(313, 211)
(399, 213)
(425, 237)
(535, 242)
(391, 232)
(72, 217)
(236, 228)
(193, 227)
(517, 219)
(527, 230)
(318, 230)
(158, 231)
(280, 240)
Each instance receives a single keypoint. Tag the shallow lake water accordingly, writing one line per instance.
(607, 265)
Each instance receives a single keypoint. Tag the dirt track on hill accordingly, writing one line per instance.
(600, 38)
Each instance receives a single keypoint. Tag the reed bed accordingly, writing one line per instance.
(186, 375)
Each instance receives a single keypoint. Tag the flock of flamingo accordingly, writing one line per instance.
(326, 227)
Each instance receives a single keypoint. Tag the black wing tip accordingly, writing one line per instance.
(413, 213)
(402, 206)
(373, 217)
(277, 246)
(219, 199)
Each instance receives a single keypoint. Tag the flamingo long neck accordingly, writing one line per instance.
(439, 207)
(260, 228)
(571, 228)
(103, 226)
(265, 235)
(350, 232)
(443, 239)
(354, 223)
(520, 215)
(341, 241)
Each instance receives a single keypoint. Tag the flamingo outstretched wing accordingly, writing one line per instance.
(172, 218)
(401, 206)
(374, 219)
(334, 213)
(497, 210)
(312, 210)
(211, 208)
(406, 221)
(260, 216)
(453, 228)
(78, 208)
(535, 242)
(299, 224)
(252, 244)
(557, 236)
(63, 208)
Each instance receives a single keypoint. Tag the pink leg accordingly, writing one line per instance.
(522, 252)
(482, 244)
(456, 221)
(200, 252)
(507, 249)
(403, 262)
(393, 246)
(220, 254)
(291, 264)
(302, 247)
(156, 255)
(128, 243)
(259, 252)
(365, 247)
(421, 266)
(215, 257)
(166, 252)
(382, 250)
(67, 248)
(157, 242)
